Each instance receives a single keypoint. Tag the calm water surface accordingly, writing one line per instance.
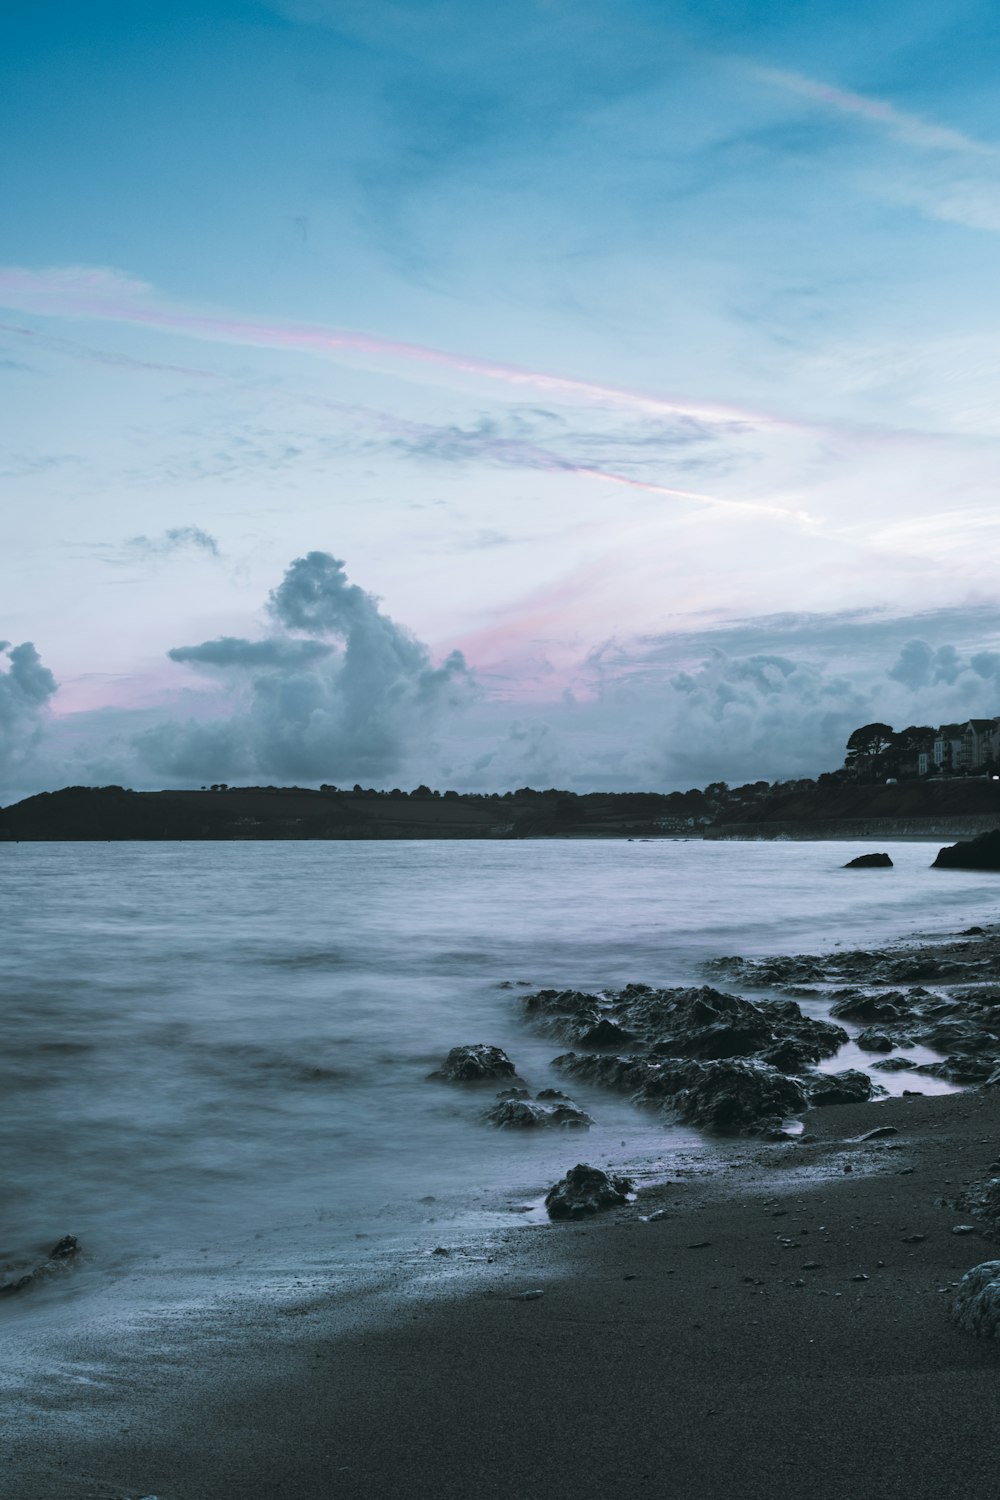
(218, 1053)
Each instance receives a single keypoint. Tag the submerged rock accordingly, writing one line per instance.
(869, 862)
(976, 1308)
(551, 1109)
(585, 1190)
(981, 853)
(63, 1250)
(475, 1063)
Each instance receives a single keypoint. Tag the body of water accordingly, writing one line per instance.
(216, 1055)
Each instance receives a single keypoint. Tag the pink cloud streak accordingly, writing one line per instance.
(107, 296)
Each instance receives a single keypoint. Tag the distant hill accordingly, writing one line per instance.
(114, 813)
(830, 809)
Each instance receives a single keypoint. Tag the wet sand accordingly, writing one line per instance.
(728, 1349)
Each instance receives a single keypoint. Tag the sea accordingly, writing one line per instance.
(215, 1057)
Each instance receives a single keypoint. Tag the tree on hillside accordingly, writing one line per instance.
(867, 744)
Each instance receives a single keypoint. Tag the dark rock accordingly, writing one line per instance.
(815, 1039)
(514, 1094)
(849, 1087)
(869, 862)
(959, 1068)
(19, 1284)
(855, 1005)
(873, 1040)
(62, 1251)
(736, 1095)
(585, 1190)
(880, 1133)
(981, 853)
(983, 1200)
(522, 1113)
(976, 1308)
(724, 1094)
(475, 1063)
(974, 932)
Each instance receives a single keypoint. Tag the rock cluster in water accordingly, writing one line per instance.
(551, 1108)
(869, 862)
(586, 1190)
(889, 993)
(709, 1058)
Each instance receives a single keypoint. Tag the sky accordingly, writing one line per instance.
(581, 393)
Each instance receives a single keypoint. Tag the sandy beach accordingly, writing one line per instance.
(783, 1328)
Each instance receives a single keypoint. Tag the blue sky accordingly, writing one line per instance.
(628, 350)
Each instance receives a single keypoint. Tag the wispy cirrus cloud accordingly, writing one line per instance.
(957, 180)
(911, 129)
(105, 295)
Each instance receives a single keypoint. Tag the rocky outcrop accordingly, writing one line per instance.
(699, 1022)
(976, 1308)
(869, 862)
(551, 1109)
(982, 853)
(586, 1190)
(728, 1095)
(477, 1063)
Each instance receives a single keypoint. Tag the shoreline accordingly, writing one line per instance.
(773, 1316)
(785, 1324)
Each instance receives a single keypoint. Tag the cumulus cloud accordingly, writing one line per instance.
(26, 686)
(334, 689)
(356, 697)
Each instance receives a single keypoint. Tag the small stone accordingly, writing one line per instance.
(914, 1239)
(964, 1229)
(530, 1296)
(860, 1277)
(880, 1132)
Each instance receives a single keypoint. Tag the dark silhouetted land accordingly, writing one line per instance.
(956, 807)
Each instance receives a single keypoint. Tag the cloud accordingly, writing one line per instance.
(357, 698)
(230, 651)
(105, 295)
(959, 177)
(170, 542)
(333, 689)
(911, 129)
(26, 687)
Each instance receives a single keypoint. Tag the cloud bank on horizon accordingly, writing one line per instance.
(337, 692)
(644, 359)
